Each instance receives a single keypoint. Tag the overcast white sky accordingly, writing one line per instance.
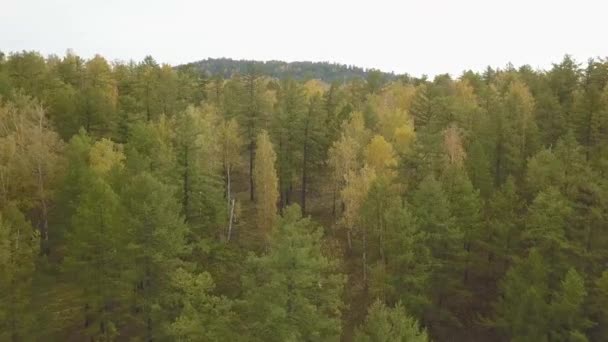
(418, 37)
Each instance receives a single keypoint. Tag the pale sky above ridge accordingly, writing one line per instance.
(418, 37)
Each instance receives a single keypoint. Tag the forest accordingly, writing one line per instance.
(144, 202)
(328, 72)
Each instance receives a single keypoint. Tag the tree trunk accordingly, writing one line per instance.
(365, 258)
(251, 155)
(334, 195)
(186, 200)
(349, 239)
(231, 220)
(228, 185)
(304, 169)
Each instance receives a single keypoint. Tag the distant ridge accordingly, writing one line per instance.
(325, 71)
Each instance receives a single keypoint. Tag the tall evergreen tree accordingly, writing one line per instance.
(19, 246)
(294, 291)
(384, 324)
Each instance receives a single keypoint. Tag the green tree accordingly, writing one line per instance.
(599, 308)
(289, 130)
(465, 206)
(202, 315)
(157, 236)
(96, 258)
(97, 102)
(546, 224)
(384, 324)
(197, 169)
(314, 137)
(147, 87)
(19, 247)
(254, 103)
(31, 160)
(398, 252)
(28, 72)
(478, 168)
(294, 291)
(523, 311)
(445, 240)
(569, 320)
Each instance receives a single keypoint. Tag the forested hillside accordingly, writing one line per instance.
(324, 71)
(142, 202)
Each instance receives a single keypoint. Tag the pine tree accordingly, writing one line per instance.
(478, 168)
(599, 308)
(465, 206)
(28, 72)
(294, 291)
(97, 101)
(520, 132)
(445, 241)
(569, 321)
(147, 87)
(314, 138)
(384, 324)
(289, 132)
(254, 105)
(398, 254)
(503, 240)
(96, 258)
(546, 224)
(157, 236)
(19, 247)
(202, 316)
(544, 170)
(197, 170)
(523, 311)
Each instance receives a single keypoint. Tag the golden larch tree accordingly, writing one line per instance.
(380, 156)
(266, 183)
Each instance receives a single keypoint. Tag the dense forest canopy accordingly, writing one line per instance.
(325, 71)
(293, 202)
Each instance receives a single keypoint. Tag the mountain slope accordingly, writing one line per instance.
(328, 72)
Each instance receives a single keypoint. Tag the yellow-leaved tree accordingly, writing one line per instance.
(106, 155)
(453, 145)
(266, 184)
(393, 119)
(465, 106)
(355, 129)
(380, 156)
(342, 160)
(31, 159)
(231, 143)
(353, 195)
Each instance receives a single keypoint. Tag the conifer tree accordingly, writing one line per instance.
(523, 310)
(266, 185)
(569, 321)
(294, 291)
(384, 324)
(96, 259)
(157, 235)
(202, 316)
(19, 247)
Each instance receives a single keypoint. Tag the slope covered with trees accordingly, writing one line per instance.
(144, 202)
(328, 72)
